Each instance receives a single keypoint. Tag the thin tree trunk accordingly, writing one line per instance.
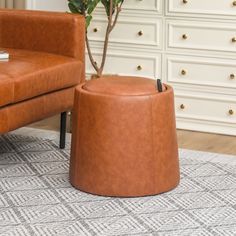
(110, 26)
(105, 47)
(93, 62)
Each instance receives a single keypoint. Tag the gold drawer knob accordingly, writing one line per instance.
(139, 67)
(234, 40)
(185, 1)
(95, 30)
(182, 106)
(185, 36)
(183, 72)
(231, 112)
(140, 33)
(232, 76)
(234, 3)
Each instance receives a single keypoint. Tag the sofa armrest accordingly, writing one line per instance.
(52, 32)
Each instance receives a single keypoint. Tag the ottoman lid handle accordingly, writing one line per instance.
(159, 86)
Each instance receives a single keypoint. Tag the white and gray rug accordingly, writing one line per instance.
(37, 199)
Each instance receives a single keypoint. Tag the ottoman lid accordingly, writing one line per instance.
(122, 85)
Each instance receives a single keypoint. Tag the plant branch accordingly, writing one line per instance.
(86, 8)
(105, 47)
(118, 10)
(93, 62)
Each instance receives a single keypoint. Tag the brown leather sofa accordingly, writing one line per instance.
(46, 63)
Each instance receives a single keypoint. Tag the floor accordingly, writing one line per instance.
(187, 139)
(207, 142)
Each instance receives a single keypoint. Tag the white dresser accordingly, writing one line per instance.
(47, 5)
(190, 44)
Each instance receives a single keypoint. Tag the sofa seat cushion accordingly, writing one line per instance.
(29, 74)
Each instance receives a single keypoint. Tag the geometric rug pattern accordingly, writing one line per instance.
(36, 197)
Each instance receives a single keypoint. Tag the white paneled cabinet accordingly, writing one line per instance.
(139, 65)
(216, 36)
(207, 72)
(149, 5)
(47, 5)
(198, 8)
(190, 44)
(129, 31)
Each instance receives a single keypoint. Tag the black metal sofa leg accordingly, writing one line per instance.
(63, 130)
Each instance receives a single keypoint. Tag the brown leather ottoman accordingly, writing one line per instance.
(124, 138)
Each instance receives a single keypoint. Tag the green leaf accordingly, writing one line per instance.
(106, 4)
(92, 6)
(87, 7)
(88, 20)
(73, 8)
(77, 4)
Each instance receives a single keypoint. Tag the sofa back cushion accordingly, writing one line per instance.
(59, 33)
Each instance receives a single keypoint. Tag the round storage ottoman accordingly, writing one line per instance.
(124, 138)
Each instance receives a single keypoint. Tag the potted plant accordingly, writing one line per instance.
(86, 8)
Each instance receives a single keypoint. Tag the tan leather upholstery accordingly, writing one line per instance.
(59, 33)
(30, 74)
(52, 32)
(122, 85)
(6, 90)
(46, 63)
(24, 113)
(124, 138)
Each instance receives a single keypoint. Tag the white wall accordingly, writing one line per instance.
(51, 5)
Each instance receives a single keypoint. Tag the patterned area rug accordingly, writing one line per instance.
(36, 197)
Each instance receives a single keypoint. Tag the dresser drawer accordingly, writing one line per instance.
(143, 5)
(129, 32)
(124, 64)
(199, 7)
(201, 71)
(205, 109)
(202, 36)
